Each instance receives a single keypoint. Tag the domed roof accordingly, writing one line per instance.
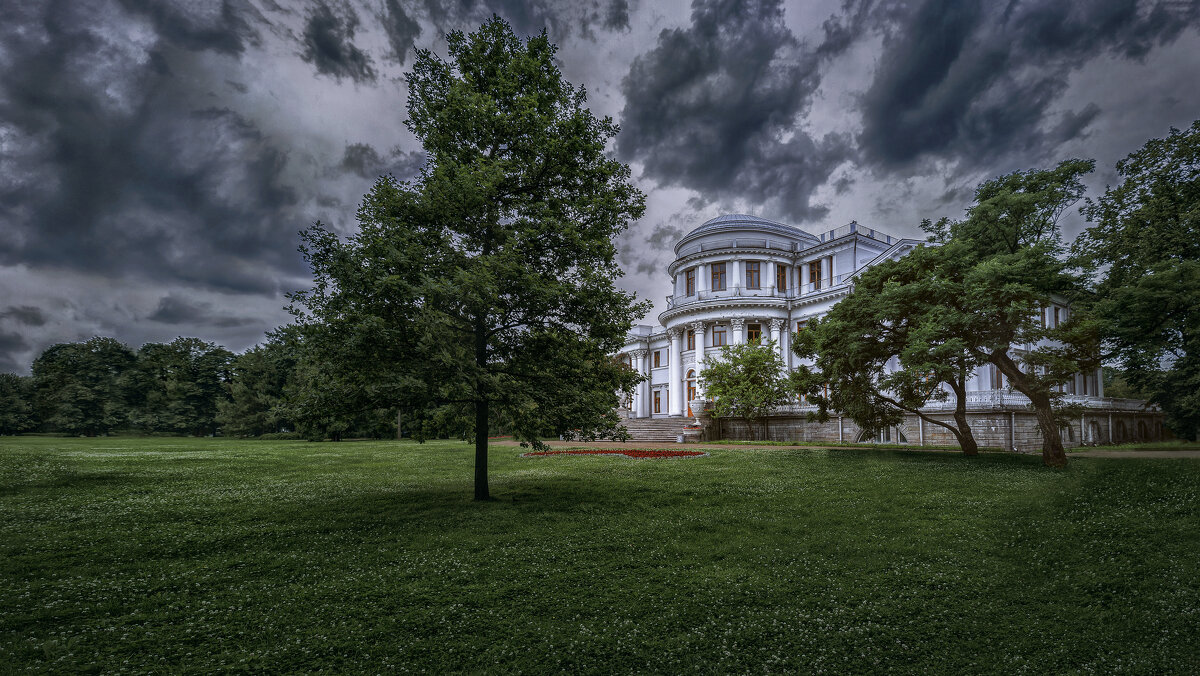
(731, 222)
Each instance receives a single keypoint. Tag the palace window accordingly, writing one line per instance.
(656, 358)
(657, 401)
(753, 276)
(800, 326)
(781, 277)
(1054, 322)
(753, 333)
(718, 277)
(718, 336)
(814, 274)
(690, 281)
(691, 342)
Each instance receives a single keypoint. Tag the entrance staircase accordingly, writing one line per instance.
(655, 429)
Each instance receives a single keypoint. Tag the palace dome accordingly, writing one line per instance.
(742, 222)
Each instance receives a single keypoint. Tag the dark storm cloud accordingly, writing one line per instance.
(175, 310)
(329, 43)
(977, 81)
(363, 160)
(402, 30)
(114, 165)
(27, 315)
(714, 107)
(224, 26)
(529, 17)
(12, 346)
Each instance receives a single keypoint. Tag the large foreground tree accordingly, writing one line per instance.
(484, 290)
(1147, 239)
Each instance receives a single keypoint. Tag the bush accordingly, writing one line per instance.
(281, 436)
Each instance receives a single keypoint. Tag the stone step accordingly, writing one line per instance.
(655, 429)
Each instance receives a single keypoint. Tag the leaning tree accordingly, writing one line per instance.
(892, 346)
(484, 290)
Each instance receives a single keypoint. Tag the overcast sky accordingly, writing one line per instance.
(158, 158)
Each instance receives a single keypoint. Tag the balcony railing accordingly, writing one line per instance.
(702, 295)
(1005, 400)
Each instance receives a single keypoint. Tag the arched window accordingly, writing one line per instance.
(1119, 436)
(1142, 435)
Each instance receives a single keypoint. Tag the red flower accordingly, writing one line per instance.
(630, 452)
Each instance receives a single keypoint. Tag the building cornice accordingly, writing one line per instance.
(729, 303)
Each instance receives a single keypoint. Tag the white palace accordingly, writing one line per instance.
(740, 278)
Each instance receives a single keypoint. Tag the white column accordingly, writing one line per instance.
(776, 325)
(772, 277)
(675, 373)
(705, 274)
(738, 279)
(826, 271)
(639, 396)
(804, 280)
(739, 330)
(699, 329)
(1099, 383)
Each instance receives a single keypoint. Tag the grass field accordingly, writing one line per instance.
(201, 555)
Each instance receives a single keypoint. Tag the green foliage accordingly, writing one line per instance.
(80, 388)
(484, 292)
(747, 381)
(896, 343)
(16, 404)
(256, 405)
(199, 556)
(1147, 241)
(177, 386)
(1004, 263)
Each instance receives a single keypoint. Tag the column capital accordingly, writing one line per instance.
(777, 324)
(639, 354)
(698, 327)
(674, 333)
(737, 322)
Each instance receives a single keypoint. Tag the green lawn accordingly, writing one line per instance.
(200, 555)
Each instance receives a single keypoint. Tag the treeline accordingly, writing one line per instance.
(185, 387)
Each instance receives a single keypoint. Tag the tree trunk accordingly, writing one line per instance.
(481, 450)
(481, 412)
(399, 425)
(966, 440)
(1053, 454)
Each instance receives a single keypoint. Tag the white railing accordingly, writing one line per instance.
(1003, 400)
(702, 295)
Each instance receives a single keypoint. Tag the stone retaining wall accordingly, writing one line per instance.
(1010, 430)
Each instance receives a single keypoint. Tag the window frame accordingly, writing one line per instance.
(718, 276)
(719, 331)
(691, 339)
(689, 281)
(753, 275)
(781, 277)
(754, 333)
(657, 357)
(657, 401)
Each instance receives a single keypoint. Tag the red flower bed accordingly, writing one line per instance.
(630, 452)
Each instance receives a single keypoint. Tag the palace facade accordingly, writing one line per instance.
(739, 278)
